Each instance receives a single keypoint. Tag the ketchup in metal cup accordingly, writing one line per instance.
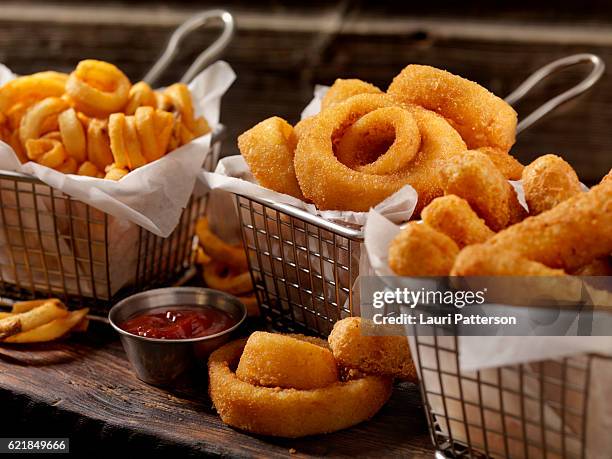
(180, 322)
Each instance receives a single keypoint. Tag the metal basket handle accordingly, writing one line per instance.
(549, 69)
(206, 57)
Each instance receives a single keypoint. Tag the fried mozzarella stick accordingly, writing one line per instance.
(548, 181)
(568, 236)
(374, 355)
(473, 177)
(454, 217)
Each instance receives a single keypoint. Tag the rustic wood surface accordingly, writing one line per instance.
(84, 389)
(281, 51)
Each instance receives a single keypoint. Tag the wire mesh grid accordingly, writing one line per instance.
(303, 274)
(54, 245)
(529, 411)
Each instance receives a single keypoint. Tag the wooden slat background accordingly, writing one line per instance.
(282, 49)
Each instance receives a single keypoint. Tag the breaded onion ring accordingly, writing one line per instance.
(290, 413)
(268, 148)
(29, 89)
(47, 152)
(219, 276)
(233, 256)
(332, 185)
(548, 181)
(568, 236)
(380, 142)
(73, 135)
(98, 144)
(454, 217)
(287, 361)
(373, 355)
(419, 250)
(140, 95)
(473, 177)
(344, 89)
(98, 88)
(507, 164)
(482, 118)
(485, 260)
(31, 125)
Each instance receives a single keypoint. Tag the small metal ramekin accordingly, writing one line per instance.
(161, 361)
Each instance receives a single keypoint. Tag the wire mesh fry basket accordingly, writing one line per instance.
(304, 269)
(54, 245)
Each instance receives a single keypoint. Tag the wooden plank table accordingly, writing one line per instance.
(84, 389)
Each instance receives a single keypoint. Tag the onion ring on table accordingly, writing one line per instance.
(482, 118)
(69, 166)
(47, 152)
(548, 181)
(507, 164)
(268, 148)
(332, 185)
(419, 250)
(32, 121)
(98, 144)
(454, 217)
(220, 277)
(473, 177)
(233, 256)
(73, 135)
(89, 169)
(140, 95)
(343, 89)
(29, 89)
(568, 236)
(290, 413)
(98, 88)
(486, 260)
(374, 355)
(374, 145)
(181, 99)
(115, 173)
(287, 361)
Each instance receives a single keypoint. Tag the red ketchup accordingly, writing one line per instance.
(180, 322)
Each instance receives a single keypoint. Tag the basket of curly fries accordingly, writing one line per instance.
(97, 173)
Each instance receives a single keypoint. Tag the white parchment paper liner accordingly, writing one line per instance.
(489, 354)
(152, 197)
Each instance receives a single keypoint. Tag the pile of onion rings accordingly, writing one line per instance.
(225, 266)
(365, 144)
(288, 411)
(94, 121)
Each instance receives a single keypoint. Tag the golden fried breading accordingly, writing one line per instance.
(486, 260)
(268, 148)
(419, 250)
(343, 89)
(375, 355)
(507, 164)
(482, 118)
(288, 361)
(454, 217)
(568, 236)
(548, 181)
(473, 177)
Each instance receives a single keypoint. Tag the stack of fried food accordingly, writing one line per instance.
(366, 144)
(93, 121)
(225, 266)
(479, 228)
(40, 320)
(294, 385)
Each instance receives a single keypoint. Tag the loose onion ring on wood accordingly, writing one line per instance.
(290, 413)
(288, 361)
(332, 185)
(482, 118)
(98, 88)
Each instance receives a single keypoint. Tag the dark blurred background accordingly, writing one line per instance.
(283, 48)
